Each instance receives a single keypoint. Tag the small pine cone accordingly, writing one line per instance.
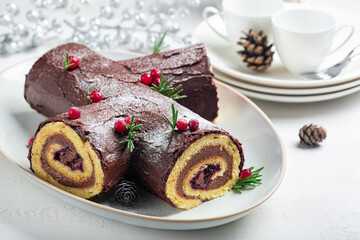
(312, 135)
(257, 53)
(126, 193)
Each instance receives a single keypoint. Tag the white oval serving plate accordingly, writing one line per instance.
(237, 114)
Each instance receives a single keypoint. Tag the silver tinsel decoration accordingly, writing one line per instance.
(114, 25)
(12, 9)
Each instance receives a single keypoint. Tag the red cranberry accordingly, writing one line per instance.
(74, 112)
(96, 96)
(193, 124)
(30, 141)
(120, 126)
(75, 62)
(146, 79)
(156, 82)
(128, 120)
(181, 124)
(155, 75)
(245, 173)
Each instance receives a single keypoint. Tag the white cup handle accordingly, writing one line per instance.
(346, 39)
(205, 16)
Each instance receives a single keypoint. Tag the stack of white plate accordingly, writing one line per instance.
(276, 83)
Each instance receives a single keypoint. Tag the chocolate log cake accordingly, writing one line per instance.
(184, 168)
(51, 90)
(85, 156)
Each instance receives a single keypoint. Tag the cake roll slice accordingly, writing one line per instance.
(82, 156)
(185, 168)
(51, 90)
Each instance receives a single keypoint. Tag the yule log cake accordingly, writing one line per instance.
(85, 156)
(51, 91)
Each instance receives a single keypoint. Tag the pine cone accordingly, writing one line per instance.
(126, 193)
(257, 54)
(312, 135)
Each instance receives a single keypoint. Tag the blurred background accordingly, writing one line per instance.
(107, 24)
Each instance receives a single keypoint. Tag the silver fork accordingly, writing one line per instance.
(332, 71)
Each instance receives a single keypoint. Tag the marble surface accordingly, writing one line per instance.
(319, 197)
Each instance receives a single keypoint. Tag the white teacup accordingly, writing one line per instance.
(303, 38)
(241, 15)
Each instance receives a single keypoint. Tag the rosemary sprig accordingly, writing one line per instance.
(165, 89)
(175, 114)
(67, 62)
(131, 133)
(253, 180)
(157, 46)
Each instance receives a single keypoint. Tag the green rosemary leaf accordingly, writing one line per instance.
(179, 97)
(168, 131)
(257, 170)
(157, 45)
(125, 141)
(132, 120)
(136, 127)
(131, 133)
(130, 145)
(167, 90)
(166, 82)
(173, 91)
(239, 191)
(168, 121)
(175, 114)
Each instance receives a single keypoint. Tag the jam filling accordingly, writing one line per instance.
(202, 179)
(69, 158)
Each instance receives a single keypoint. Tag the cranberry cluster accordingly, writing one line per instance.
(120, 125)
(151, 78)
(182, 124)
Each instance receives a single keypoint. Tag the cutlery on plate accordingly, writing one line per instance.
(334, 70)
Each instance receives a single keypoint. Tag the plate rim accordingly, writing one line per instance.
(299, 99)
(237, 83)
(147, 217)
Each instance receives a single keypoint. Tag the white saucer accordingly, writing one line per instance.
(224, 56)
(293, 98)
(284, 91)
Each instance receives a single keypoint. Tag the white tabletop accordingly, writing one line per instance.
(319, 197)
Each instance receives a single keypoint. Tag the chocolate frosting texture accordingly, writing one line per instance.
(51, 90)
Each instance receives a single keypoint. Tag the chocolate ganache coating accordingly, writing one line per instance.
(155, 152)
(51, 90)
